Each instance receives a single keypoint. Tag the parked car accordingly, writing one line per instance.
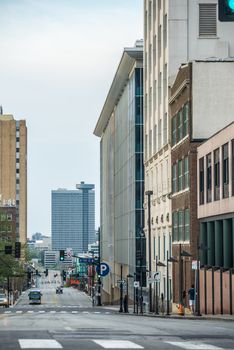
(3, 300)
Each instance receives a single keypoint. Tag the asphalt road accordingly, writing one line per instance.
(68, 321)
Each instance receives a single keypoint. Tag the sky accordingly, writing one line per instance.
(58, 59)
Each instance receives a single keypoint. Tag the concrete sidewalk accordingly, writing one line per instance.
(187, 316)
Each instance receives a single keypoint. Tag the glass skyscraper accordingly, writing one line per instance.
(73, 218)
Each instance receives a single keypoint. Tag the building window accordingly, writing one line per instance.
(175, 226)
(165, 129)
(173, 129)
(159, 247)
(225, 171)
(174, 178)
(181, 225)
(160, 133)
(164, 246)
(170, 246)
(207, 20)
(208, 178)
(180, 175)
(201, 181)
(186, 225)
(186, 172)
(180, 125)
(9, 217)
(185, 120)
(216, 175)
(3, 216)
(154, 247)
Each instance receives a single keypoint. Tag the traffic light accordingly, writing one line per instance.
(226, 10)
(61, 255)
(8, 249)
(64, 275)
(17, 250)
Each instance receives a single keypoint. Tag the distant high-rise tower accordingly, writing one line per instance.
(73, 218)
(13, 170)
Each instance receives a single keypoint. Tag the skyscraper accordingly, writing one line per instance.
(13, 170)
(73, 218)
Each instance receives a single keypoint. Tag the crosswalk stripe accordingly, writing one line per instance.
(39, 344)
(117, 344)
(194, 345)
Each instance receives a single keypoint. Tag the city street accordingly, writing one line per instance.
(68, 321)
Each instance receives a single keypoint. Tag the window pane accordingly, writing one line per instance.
(181, 226)
(186, 172)
(216, 175)
(225, 171)
(173, 131)
(201, 181)
(186, 225)
(180, 125)
(174, 179)
(208, 177)
(185, 120)
(175, 226)
(180, 176)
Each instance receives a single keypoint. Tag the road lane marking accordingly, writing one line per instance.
(85, 312)
(39, 344)
(194, 345)
(41, 311)
(74, 312)
(97, 312)
(19, 312)
(68, 328)
(7, 312)
(63, 312)
(30, 312)
(117, 344)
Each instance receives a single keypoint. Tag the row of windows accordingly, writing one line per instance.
(180, 225)
(157, 247)
(179, 125)
(180, 175)
(5, 217)
(5, 227)
(211, 169)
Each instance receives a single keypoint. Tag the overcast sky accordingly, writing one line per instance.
(58, 59)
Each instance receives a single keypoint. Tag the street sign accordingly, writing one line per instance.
(194, 264)
(136, 284)
(86, 260)
(121, 281)
(157, 276)
(69, 252)
(104, 269)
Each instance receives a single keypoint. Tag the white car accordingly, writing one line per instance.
(3, 300)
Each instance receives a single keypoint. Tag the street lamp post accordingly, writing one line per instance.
(99, 301)
(128, 276)
(149, 194)
(121, 290)
(171, 259)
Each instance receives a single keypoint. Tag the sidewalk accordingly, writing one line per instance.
(172, 315)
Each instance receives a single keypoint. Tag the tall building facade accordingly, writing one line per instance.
(13, 171)
(120, 128)
(175, 31)
(73, 218)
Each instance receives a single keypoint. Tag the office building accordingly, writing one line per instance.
(120, 128)
(73, 218)
(196, 83)
(175, 32)
(13, 171)
(215, 198)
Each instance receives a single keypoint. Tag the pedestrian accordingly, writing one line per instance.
(191, 294)
(162, 303)
(126, 303)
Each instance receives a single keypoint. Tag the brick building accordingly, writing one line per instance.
(198, 106)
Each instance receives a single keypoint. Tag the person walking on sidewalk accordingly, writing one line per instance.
(191, 294)
(126, 303)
